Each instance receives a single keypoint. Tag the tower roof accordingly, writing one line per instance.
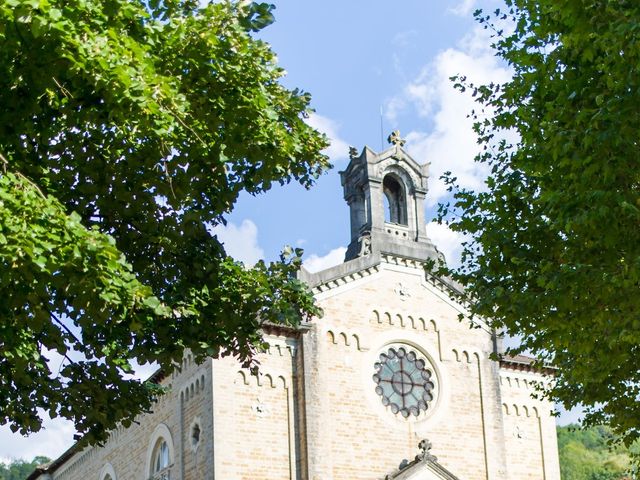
(368, 157)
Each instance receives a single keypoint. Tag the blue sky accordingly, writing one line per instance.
(357, 58)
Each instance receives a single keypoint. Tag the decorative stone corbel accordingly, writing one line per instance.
(425, 454)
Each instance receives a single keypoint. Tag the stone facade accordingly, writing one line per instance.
(313, 412)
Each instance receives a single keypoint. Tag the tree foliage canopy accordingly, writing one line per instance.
(554, 255)
(20, 469)
(127, 131)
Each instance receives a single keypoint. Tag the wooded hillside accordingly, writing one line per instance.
(585, 454)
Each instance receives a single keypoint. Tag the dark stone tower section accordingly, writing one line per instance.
(385, 192)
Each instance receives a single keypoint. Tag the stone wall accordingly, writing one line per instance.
(255, 433)
(127, 454)
(312, 412)
(351, 434)
(529, 427)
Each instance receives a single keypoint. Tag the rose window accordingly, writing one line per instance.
(403, 382)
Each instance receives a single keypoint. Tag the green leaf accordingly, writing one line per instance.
(554, 256)
(128, 129)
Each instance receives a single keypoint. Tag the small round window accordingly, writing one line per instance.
(403, 382)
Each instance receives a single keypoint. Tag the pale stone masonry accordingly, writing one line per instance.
(351, 395)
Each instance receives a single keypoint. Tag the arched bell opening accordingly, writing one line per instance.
(395, 200)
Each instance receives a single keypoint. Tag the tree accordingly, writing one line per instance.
(127, 131)
(554, 249)
(20, 469)
(589, 454)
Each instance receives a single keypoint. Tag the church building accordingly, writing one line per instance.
(388, 384)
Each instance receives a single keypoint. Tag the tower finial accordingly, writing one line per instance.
(396, 139)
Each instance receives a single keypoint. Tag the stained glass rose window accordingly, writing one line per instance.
(403, 382)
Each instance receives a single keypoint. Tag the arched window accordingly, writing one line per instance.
(395, 200)
(107, 472)
(161, 458)
(160, 453)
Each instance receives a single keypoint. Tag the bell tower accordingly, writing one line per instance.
(385, 193)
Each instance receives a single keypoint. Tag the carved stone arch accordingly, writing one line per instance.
(535, 412)
(331, 337)
(466, 357)
(411, 321)
(516, 410)
(241, 375)
(525, 410)
(434, 325)
(160, 434)
(268, 378)
(343, 337)
(387, 318)
(408, 177)
(107, 472)
(455, 352)
(400, 319)
(283, 381)
(505, 408)
(422, 324)
(375, 318)
(476, 357)
(356, 341)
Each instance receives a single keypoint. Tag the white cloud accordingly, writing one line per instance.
(241, 242)
(463, 7)
(451, 144)
(52, 441)
(339, 149)
(447, 241)
(315, 263)
(393, 107)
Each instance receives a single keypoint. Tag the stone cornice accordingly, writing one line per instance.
(362, 267)
(524, 363)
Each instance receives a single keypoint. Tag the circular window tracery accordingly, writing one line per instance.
(403, 382)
